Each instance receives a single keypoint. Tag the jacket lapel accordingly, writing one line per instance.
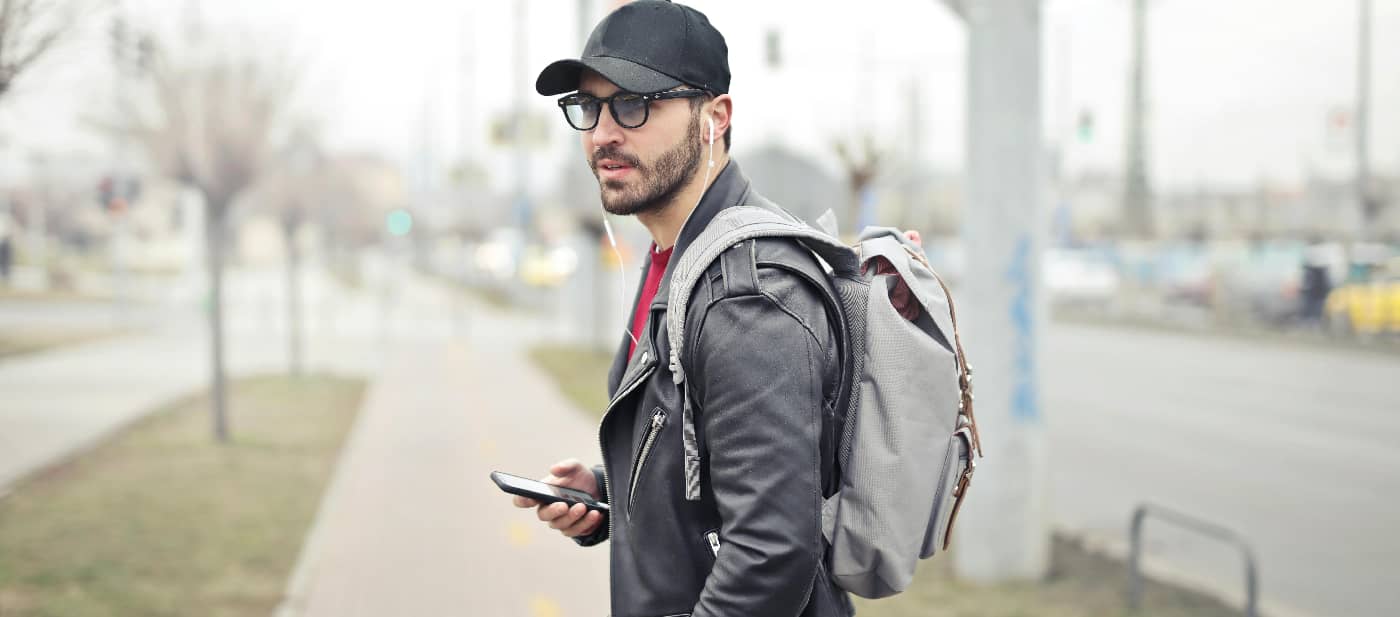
(730, 188)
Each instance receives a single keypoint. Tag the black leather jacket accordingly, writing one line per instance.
(761, 361)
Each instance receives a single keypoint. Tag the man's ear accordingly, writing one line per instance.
(721, 112)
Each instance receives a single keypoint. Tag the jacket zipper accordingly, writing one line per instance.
(713, 537)
(621, 394)
(658, 420)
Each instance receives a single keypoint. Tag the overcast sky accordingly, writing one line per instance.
(1240, 90)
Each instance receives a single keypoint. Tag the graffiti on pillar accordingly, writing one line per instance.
(1024, 402)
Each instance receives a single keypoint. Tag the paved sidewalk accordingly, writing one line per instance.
(412, 524)
(57, 402)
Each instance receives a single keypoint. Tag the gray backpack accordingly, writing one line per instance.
(907, 436)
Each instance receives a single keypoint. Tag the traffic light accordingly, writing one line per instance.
(399, 222)
(774, 48)
(131, 188)
(145, 53)
(106, 191)
(115, 195)
(1086, 126)
(118, 42)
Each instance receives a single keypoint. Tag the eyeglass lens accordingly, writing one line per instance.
(629, 110)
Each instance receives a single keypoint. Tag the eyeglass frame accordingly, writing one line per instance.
(608, 100)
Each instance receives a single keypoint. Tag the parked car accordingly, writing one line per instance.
(1079, 278)
(1370, 304)
(1260, 283)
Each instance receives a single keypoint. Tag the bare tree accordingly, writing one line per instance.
(294, 192)
(861, 162)
(28, 30)
(363, 188)
(212, 121)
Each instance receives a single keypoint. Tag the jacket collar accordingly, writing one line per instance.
(730, 188)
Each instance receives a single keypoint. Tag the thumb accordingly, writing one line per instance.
(915, 238)
(566, 468)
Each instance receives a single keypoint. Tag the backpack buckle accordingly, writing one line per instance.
(966, 478)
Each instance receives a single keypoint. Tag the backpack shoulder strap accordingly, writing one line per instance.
(730, 227)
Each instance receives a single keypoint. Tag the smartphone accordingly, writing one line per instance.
(545, 493)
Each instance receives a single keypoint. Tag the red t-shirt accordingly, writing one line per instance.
(654, 274)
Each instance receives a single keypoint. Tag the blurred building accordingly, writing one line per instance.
(793, 181)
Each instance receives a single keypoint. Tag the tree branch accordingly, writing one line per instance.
(27, 31)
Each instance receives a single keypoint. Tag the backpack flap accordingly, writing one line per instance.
(933, 295)
(907, 260)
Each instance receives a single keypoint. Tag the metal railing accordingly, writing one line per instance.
(1205, 528)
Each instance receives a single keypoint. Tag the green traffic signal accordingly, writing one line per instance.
(399, 222)
(1086, 126)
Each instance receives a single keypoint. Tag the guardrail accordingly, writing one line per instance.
(1205, 528)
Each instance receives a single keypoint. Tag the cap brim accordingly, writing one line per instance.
(563, 76)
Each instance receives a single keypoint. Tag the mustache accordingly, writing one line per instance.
(611, 152)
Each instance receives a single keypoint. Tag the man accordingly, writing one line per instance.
(650, 97)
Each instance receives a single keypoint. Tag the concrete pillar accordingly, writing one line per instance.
(1003, 531)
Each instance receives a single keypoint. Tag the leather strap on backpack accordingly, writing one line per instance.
(964, 369)
(967, 421)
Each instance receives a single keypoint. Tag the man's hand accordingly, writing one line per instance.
(573, 521)
(901, 296)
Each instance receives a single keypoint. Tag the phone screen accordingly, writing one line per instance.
(535, 486)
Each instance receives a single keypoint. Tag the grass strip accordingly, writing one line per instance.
(15, 342)
(160, 520)
(580, 372)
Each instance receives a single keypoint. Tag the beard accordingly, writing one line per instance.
(657, 183)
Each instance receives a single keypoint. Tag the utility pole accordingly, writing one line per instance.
(1004, 534)
(914, 161)
(522, 160)
(1369, 206)
(427, 160)
(1137, 194)
(194, 21)
(915, 123)
(585, 22)
(466, 83)
(599, 288)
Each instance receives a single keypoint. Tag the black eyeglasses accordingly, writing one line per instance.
(629, 109)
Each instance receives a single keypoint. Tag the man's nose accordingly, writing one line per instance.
(607, 132)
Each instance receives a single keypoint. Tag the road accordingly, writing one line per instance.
(56, 402)
(1297, 448)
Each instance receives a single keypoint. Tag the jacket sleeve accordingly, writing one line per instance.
(759, 371)
(600, 534)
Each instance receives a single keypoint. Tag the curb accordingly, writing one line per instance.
(302, 580)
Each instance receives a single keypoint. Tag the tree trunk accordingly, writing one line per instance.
(214, 231)
(294, 346)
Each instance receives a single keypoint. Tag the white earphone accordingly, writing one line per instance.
(712, 146)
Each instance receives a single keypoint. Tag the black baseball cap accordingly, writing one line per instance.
(647, 46)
